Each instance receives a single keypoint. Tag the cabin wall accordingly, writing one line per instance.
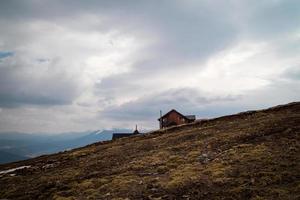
(173, 117)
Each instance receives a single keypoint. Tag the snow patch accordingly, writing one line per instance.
(98, 132)
(14, 169)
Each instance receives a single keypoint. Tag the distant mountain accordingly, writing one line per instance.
(6, 157)
(92, 137)
(24, 145)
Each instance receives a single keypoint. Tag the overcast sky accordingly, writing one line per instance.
(70, 65)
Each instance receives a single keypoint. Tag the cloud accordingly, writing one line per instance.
(97, 64)
(292, 73)
(24, 82)
(53, 65)
(274, 18)
(145, 110)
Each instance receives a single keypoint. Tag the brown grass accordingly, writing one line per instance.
(253, 155)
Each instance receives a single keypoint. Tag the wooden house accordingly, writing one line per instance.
(174, 118)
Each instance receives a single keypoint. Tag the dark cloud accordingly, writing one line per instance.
(23, 85)
(182, 34)
(186, 100)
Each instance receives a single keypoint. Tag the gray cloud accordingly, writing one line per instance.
(275, 18)
(192, 101)
(175, 26)
(292, 73)
(112, 63)
(187, 100)
(21, 84)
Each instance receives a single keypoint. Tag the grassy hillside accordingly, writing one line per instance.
(252, 155)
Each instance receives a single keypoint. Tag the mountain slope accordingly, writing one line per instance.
(6, 157)
(31, 145)
(251, 155)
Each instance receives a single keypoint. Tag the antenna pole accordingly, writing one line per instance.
(160, 120)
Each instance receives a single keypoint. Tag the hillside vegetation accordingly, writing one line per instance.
(251, 155)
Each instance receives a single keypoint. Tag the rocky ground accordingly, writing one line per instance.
(251, 155)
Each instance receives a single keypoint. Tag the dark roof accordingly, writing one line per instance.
(191, 117)
(121, 135)
(173, 110)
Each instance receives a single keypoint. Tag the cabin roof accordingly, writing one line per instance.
(191, 117)
(173, 110)
(120, 135)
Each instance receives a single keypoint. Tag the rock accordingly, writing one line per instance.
(186, 197)
(204, 158)
(47, 166)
